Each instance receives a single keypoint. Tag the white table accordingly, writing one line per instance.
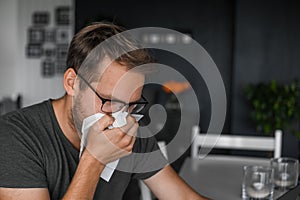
(219, 177)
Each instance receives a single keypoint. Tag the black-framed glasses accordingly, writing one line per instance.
(110, 106)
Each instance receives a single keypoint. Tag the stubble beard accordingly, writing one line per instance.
(76, 114)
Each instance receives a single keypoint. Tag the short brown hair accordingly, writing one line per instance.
(92, 35)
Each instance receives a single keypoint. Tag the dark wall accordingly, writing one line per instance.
(267, 46)
(210, 22)
(251, 41)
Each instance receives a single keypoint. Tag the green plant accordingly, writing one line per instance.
(275, 106)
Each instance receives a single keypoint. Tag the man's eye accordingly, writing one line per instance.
(117, 104)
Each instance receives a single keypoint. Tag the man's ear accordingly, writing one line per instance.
(69, 81)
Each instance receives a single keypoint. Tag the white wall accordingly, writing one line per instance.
(19, 74)
(8, 46)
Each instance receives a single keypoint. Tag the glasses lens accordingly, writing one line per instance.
(112, 106)
(136, 108)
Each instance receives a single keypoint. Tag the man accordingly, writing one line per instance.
(39, 153)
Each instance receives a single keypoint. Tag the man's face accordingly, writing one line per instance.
(115, 83)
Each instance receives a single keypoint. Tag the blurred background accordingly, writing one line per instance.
(251, 41)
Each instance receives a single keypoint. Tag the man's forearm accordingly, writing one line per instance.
(85, 180)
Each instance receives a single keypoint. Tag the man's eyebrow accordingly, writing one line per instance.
(105, 96)
(110, 97)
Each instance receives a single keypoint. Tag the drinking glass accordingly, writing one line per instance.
(258, 183)
(286, 172)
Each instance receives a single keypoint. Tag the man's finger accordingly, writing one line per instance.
(130, 122)
(103, 123)
(133, 130)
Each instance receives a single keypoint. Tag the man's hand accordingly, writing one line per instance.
(103, 146)
(108, 145)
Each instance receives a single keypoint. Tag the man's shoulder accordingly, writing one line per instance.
(28, 112)
(24, 119)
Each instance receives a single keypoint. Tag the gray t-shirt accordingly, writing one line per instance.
(34, 153)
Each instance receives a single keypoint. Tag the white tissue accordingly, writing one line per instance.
(120, 120)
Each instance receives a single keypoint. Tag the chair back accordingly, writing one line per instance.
(241, 142)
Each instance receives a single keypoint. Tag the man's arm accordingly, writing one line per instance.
(86, 178)
(24, 193)
(167, 185)
(83, 184)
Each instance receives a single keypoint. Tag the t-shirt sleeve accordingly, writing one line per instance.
(21, 163)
